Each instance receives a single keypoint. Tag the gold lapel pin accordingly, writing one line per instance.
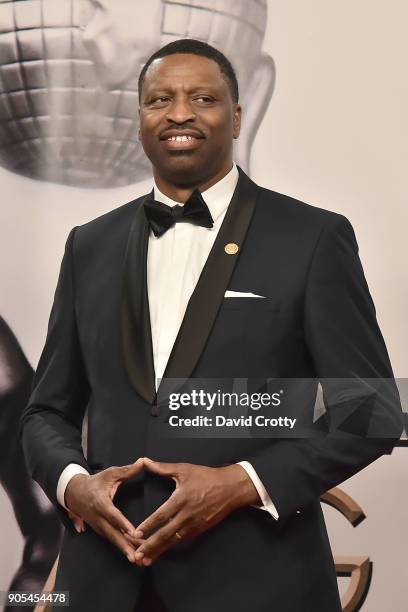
(231, 248)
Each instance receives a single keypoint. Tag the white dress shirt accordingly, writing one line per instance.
(174, 263)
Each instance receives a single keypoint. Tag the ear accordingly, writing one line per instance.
(256, 100)
(236, 121)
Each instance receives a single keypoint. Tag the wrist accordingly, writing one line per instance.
(244, 492)
(72, 483)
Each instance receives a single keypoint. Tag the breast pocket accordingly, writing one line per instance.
(251, 303)
(249, 325)
(246, 336)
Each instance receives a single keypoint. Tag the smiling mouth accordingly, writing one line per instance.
(185, 142)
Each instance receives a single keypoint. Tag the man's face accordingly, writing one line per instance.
(188, 119)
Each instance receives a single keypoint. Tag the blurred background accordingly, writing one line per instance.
(324, 95)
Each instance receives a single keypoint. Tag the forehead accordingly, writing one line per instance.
(184, 69)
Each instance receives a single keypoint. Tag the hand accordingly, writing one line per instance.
(79, 523)
(203, 497)
(90, 498)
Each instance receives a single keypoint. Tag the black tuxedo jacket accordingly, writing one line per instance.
(317, 320)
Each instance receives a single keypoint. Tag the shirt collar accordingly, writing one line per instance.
(216, 197)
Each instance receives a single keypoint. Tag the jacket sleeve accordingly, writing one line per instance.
(348, 352)
(50, 426)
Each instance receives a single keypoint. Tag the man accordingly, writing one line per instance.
(144, 293)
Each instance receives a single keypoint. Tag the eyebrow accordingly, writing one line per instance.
(168, 88)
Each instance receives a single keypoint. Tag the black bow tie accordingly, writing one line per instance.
(161, 217)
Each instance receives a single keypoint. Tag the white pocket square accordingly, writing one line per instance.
(229, 293)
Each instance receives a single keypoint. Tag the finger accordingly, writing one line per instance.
(78, 522)
(128, 471)
(105, 529)
(118, 475)
(161, 540)
(161, 468)
(162, 515)
(73, 516)
(114, 516)
(79, 525)
(136, 542)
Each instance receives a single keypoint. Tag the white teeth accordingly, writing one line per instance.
(180, 138)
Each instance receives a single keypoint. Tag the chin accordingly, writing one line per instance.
(183, 166)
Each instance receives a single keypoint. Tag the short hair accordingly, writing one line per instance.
(195, 47)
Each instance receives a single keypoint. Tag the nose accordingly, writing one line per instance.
(180, 111)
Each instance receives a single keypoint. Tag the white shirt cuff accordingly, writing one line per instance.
(267, 503)
(67, 473)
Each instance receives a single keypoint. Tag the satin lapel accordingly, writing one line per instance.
(135, 315)
(208, 294)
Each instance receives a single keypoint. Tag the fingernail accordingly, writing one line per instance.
(139, 554)
(138, 534)
(147, 561)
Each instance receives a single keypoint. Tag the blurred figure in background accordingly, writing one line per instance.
(36, 516)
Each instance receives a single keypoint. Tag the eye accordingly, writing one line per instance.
(159, 100)
(204, 99)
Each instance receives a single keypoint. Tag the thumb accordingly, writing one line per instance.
(128, 471)
(161, 468)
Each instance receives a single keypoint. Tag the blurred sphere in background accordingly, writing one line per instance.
(68, 79)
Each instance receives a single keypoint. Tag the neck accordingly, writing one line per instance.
(180, 193)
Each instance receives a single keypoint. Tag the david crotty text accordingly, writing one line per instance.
(222, 421)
